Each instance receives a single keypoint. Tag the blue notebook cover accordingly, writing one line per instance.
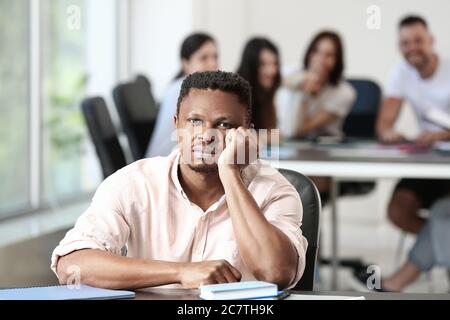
(63, 292)
(236, 286)
(238, 290)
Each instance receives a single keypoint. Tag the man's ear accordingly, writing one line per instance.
(175, 120)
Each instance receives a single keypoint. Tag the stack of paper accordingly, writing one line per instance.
(238, 290)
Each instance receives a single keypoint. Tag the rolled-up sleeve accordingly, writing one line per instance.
(284, 210)
(103, 225)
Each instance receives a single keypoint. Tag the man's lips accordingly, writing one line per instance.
(204, 150)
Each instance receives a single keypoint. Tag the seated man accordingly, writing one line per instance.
(430, 249)
(424, 81)
(200, 215)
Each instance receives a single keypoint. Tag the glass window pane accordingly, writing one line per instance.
(64, 76)
(14, 111)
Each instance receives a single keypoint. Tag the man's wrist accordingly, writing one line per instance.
(229, 172)
(179, 269)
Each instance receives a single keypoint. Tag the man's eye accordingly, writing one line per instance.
(224, 125)
(195, 122)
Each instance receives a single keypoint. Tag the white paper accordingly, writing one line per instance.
(320, 297)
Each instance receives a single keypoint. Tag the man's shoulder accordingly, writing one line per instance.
(152, 169)
(445, 65)
(269, 175)
(403, 68)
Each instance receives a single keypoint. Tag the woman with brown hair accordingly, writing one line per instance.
(260, 66)
(320, 98)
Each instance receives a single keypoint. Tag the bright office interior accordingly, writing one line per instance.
(57, 52)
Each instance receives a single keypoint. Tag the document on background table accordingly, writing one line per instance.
(294, 296)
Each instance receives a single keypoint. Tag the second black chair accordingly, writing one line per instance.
(360, 122)
(103, 135)
(137, 111)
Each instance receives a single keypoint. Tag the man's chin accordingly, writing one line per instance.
(204, 168)
(417, 62)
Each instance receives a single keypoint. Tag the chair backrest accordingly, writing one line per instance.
(103, 135)
(137, 110)
(360, 122)
(310, 226)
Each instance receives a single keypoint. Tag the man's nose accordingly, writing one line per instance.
(209, 135)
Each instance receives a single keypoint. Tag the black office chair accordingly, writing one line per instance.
(310, 227)
(137, 111)
(360, 122)
(103, 135)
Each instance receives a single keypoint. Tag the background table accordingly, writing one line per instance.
(357, 161)
(183, 294)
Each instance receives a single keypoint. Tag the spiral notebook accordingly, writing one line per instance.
(81, 292)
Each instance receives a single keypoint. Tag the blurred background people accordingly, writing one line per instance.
(423, 80)
(429, 250)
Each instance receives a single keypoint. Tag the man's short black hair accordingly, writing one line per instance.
(218, 80)
(410, 20)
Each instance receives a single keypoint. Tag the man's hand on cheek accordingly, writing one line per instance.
(241, 149)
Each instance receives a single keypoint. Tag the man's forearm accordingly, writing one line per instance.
(265, 249)
(106, 270)
(444, 135)
(388, 115)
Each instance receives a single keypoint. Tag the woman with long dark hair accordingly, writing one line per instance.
(198, 53)
(260, 66)
(321, 97)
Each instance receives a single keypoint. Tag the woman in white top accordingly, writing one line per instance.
(319, 98)
(198, 53)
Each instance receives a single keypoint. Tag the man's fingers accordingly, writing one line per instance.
(220, 277)
(235, 271)
(229, 275)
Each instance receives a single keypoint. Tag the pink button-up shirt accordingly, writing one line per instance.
(144, 207)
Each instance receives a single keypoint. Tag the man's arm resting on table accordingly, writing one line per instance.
(107, 270)
(387, 116)
(267, 252)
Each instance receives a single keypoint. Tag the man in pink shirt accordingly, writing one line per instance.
(202, 215)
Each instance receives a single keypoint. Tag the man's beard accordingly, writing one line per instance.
(204, 168)
(421, 64)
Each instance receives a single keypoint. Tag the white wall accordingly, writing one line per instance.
(101, 53)
(157, 28)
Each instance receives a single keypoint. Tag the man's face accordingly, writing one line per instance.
(203, 119)
(416, 45)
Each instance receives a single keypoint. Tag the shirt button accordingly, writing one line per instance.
(203, 218)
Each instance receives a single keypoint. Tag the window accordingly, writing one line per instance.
(64, 78)
(14, 102)
(53, 54)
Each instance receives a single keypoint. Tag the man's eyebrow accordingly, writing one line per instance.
(224, 118)
(194, 115)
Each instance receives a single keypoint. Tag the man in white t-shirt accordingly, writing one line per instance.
(423, 80)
